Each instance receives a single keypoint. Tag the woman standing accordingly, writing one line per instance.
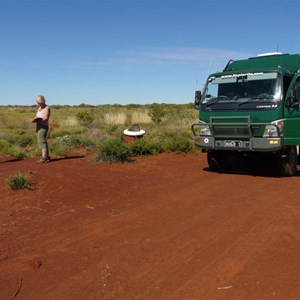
(42, 126)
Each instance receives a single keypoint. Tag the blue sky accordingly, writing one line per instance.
(132, 51)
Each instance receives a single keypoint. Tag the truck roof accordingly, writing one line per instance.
(265, 62)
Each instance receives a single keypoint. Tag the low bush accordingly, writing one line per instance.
(81, 140)
(66, 140)
(157, 113)
(181, 143)
(58, 147)
(16, 152)
(85, 117)
(4, 146)
(26, 140)
(113, 151)
(19, 181)
(143, 147)
(12, 137)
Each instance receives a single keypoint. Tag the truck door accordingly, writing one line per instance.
(292, 113)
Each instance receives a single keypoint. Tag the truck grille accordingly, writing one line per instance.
(234, 127)
(230, 131)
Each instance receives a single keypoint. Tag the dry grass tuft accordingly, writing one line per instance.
(141, 117)
(69, 122)
(114, 118)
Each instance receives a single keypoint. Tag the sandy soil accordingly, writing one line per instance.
(162, 227)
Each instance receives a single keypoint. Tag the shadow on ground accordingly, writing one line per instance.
(66, 158)
(13, 160)
(262, 168)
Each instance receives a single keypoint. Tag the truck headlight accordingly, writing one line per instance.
(275, 129)
(204, 129)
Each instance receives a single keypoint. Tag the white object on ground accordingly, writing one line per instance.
(134, 133)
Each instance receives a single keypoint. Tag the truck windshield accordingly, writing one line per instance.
(242, 88)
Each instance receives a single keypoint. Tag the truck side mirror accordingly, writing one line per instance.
(291, 99)
(198, 96)
(289, 102)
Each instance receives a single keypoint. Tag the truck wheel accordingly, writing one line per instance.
(216, 160)
(288, 165)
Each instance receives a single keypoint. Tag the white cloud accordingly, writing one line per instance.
(161, 56)
(178, 55)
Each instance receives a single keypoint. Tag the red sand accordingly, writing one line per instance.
(162, 227)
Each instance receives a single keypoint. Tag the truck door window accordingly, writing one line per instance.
(296, 90)
(286, 83)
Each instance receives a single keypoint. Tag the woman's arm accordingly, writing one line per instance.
(46, 114)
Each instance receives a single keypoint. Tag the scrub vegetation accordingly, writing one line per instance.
(19, 181)
(85, 128)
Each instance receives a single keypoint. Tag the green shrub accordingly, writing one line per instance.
(16, 152)
(111, 128)
(156, 114)
(58, 147)
(85, 117)
(12, 137)
(25, 141)
(181, 143)
(18, 182)
(113, 151)
(66, 140)
(54, 133)
(4, 146)
(142, 147)
(82, 140)
(74, 140)
(58, 133)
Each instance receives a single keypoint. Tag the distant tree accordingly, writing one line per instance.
(85, 117)
(83, 105)
(156, 114)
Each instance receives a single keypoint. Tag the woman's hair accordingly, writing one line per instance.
(40, 99)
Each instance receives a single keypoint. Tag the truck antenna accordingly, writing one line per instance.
(209, 66)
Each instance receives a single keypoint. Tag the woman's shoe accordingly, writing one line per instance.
(44, 160)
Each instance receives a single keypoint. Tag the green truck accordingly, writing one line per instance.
(250, 108)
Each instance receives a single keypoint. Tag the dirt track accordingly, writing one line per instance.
(163, 227)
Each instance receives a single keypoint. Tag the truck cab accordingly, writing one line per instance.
(251, 106)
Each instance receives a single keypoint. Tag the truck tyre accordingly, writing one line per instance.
(287, 165)
(216, 160)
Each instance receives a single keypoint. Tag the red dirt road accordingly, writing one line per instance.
(162, 227)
